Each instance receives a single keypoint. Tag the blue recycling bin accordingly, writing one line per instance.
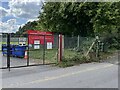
(18, 51)
(4, 49)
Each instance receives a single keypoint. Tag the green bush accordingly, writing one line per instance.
(66, 62)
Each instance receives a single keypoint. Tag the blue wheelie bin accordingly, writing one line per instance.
(18, 51)
(4, 49)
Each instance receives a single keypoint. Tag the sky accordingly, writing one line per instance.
(16, 13)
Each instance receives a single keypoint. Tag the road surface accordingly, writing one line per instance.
(91, 75)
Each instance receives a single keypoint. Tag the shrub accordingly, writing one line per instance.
(66, 62)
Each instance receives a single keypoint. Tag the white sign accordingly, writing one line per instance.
(36, 46)
(36, 41)
(49, 45)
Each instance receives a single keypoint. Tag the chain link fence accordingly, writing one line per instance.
(76, 46)
(46, 52)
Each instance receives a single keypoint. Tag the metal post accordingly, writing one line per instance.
(0, 41)
(78, 45)
(44, 51)
(57, 47)
(102, 46)
(8, 51)
(97, 46)
(60, 54)
(97, 50)
(28, 51)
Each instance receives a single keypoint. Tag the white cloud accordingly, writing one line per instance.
(11, 21)
(3, 12)
(30, 20)
(28, 9)
(9, 26)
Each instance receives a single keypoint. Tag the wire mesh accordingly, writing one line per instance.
(76, 46)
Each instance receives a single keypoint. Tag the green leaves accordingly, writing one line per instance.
(107, 17)
(66, 18)
(78, 18)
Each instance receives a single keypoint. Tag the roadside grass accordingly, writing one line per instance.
(80, 58)
(105, 55)
(15, 43)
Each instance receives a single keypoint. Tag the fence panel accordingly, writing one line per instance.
(51, 50)
(35, 49)
(76, 46)
(18, 47)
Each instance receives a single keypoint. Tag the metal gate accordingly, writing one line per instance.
(18, 51)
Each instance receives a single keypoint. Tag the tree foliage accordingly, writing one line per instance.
(67, 18)
(28, 26)
(78, 18)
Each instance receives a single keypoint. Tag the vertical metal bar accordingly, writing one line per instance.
(8, 51)
(60, 48)
(78, 44)
(57, 47)
(97, 50)
(44, 51)
(28, 51)
(102, 46)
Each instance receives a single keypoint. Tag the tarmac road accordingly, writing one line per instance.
(91, 75)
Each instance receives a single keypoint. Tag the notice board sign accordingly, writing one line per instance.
(49, 45)
(36, 44)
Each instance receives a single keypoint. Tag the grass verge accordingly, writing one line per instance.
(79, 59)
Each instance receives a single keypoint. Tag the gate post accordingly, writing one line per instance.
(8, 51)
(44, 50)
(28, 49)
(61, 47)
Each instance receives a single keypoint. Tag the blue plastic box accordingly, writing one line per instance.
(18, 51)
(4, 49)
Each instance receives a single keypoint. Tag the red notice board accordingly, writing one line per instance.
(39, 35)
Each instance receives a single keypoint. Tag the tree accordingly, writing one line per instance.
(78, 18)
(27, 26)
(106, 22)
(107, 18)
(67, 18)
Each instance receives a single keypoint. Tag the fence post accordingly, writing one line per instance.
(102, 46)
(28, 50)
(8, 51)
(0, 41)
(78, 44)
(44, 50)
(61, 47)
(97, 49)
